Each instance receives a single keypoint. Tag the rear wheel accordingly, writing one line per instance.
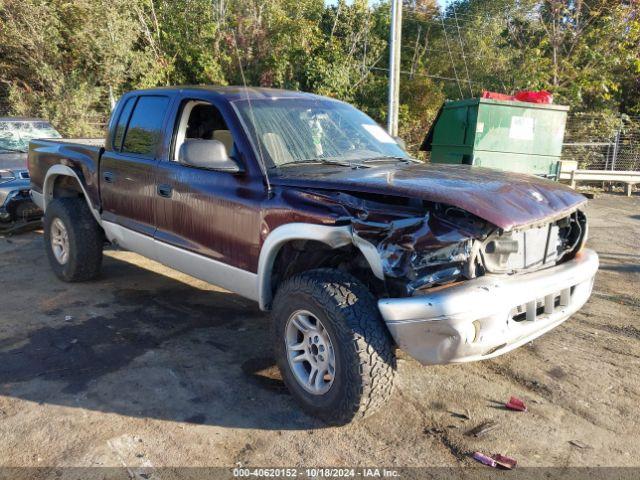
(332, 348)
(73, 240)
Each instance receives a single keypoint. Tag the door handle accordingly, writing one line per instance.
(109, 177)
(165, 191)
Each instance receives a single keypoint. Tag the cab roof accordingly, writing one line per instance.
(232, 93)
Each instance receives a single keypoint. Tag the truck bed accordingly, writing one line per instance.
(82, 155)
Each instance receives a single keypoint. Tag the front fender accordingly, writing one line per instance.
(334, 236)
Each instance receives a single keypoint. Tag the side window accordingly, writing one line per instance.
(200, 120)
(121, 126)
(145, 127)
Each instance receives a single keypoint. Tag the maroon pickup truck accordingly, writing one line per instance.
(305, 205)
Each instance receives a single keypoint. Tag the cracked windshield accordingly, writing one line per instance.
(15, 136)
(292, 131)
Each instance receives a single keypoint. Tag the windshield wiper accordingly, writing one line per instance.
(387, 158)
(322, 161)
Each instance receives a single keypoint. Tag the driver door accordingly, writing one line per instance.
(208, 213)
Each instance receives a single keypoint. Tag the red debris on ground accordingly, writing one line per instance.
(497, 460)
(482, 458)
(505, 462)
(515, 403)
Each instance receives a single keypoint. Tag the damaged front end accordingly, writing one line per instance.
(424, 245)
(461, 289)
(435, 248)
(453, 286)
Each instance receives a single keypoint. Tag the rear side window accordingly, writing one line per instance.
(145, 127)
(121, 126)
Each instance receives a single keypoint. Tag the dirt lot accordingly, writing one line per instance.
(149, 367)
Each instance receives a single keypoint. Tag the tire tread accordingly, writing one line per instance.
(86, 239)
(370, 380)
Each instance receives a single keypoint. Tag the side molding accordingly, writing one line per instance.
(47, 188)
(231, 278)
(335, 237)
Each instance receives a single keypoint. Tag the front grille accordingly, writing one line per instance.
(542, 307)
(523, 250)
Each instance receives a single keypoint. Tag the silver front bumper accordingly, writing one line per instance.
(490, 315)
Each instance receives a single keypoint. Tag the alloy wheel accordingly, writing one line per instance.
(310, 352)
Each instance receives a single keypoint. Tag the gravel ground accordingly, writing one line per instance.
(148, 367)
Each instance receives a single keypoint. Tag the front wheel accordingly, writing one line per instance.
(332, 348)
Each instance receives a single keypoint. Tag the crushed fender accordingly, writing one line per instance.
(515, 403)
(417, 245)
(421, 251)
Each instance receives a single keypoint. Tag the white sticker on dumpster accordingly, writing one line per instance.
(521, 128)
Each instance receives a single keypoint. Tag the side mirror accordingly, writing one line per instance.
(210, 154)
(401, 142)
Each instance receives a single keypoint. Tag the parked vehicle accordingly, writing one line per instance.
(305, 205)
(17, 210)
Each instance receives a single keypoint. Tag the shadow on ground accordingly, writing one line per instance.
(168, 351)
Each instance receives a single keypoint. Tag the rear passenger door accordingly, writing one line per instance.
(127, 168)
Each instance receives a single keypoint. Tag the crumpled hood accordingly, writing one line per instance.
(505, 199)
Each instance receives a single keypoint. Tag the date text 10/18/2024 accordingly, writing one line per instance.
(316, 472)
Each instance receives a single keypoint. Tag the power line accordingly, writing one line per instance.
(426, 75)
(462, 49)
(455, 72)
(505, 15)
(484, 16)
(451, 26)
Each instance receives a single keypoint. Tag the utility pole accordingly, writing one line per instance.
(395, 39)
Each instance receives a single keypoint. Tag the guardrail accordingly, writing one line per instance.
(568, 171)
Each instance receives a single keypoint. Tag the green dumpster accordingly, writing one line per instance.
(507, 135)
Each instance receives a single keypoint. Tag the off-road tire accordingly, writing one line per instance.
(86, 239)
(364, 350)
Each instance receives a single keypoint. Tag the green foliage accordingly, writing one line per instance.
(585, 51)
(58, 62)
(60, 59)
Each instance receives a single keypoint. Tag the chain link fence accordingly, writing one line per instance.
(603, 142)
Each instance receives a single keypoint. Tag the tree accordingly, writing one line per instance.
(58, 62)
(60, 59)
